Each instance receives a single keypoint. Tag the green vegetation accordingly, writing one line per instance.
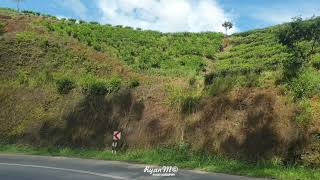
(227, 25)
(176, 53)
(65, 85)
(1, 28)
(181, 157)
(307, 84)
(221, 85)
(251, 52)
(183, 100)
(100, 87)
(134, 83)
(301, 39)
(94, 87)
(70, 83)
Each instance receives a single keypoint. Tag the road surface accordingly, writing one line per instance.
(26, 167)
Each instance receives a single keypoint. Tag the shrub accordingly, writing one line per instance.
(311, 156)
(22, 77)
(192, 81)
(114, 84)
(72, 20)
(251, 80)
(94, 23)
(44, 77)
(316, 62)
(134, 83)
(97, 88)
(27, 36)
(97, 47)
(221, 85)
(304, 115)
(306, 84)
(1, 28)
(301, 38)
(94, 87)
(65, 85)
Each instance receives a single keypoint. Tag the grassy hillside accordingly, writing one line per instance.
(70, 83)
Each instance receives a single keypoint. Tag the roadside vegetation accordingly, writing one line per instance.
(179, 156)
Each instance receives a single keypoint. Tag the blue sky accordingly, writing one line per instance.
(177, 15)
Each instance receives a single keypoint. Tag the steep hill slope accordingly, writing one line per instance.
(70, 83)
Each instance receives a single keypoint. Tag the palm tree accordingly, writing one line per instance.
(227, 25)
(18, 3)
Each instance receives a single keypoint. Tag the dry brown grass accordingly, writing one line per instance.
(250, 123)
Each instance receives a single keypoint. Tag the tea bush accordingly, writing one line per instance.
(145, 50)
(93, 86)
(114, 84)
(65, 85)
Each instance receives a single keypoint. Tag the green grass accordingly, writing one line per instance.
(180, 157)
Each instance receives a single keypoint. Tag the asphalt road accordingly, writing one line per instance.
(25, 167)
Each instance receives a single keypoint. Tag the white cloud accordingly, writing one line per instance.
(165, 15)
(76, 6)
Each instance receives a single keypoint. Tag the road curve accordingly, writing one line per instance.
(26, 167)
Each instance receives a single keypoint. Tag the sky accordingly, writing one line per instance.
(177, 15)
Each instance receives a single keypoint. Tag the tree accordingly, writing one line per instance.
(227, 25)
(18, 3)
(301, 39)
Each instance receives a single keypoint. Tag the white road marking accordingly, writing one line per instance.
(65, 169)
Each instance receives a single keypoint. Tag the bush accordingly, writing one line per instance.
(306, 84)
(97, 47)
(304, 115)
(23, 77)
(251, 80)
(65, 85)
(27, 36)
(134, 83)
(1, 28)
(97, 88)
(301, 38)
(94, 87)
(316, 62)
(221, 85)
(114, 84)
(311, 157)
(44, 77)
(192, 81)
